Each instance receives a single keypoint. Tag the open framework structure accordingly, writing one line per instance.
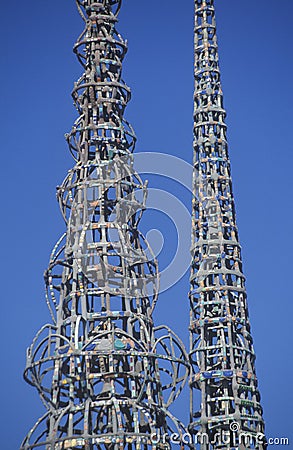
(106, 374)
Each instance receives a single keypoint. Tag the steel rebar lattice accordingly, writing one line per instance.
(221, 348)
(104, 372)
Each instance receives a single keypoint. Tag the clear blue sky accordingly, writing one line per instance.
(38, 71)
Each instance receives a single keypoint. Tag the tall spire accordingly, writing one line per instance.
(104, 372)
(221, 348)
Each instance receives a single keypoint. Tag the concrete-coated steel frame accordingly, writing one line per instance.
(221, 348)
(105, 373)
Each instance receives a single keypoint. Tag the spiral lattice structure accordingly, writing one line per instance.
(104, 372)
(221, 348)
